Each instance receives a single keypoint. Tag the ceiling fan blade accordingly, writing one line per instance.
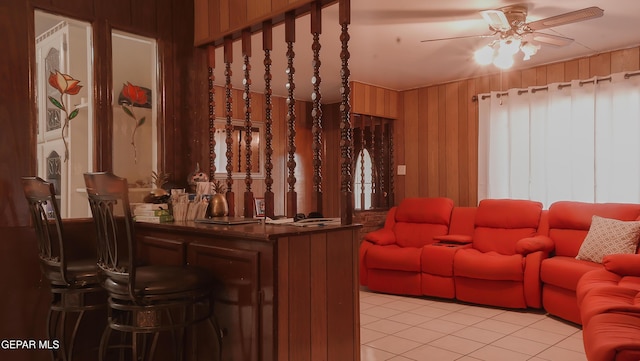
(496, 19)
(459, 37)
(554, 40)
(566, 18)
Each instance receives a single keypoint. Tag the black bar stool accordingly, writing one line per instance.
(144, 300)
(74, 283)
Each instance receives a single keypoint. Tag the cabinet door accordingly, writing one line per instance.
(237, 296)
(161, 250)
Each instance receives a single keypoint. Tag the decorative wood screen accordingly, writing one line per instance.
(346, 135)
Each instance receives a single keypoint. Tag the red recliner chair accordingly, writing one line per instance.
(502, 266)
(390, 258)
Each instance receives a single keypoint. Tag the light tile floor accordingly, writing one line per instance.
(399, 328)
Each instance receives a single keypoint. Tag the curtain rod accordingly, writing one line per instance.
(560, 86)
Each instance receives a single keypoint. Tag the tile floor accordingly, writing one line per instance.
(398, 328)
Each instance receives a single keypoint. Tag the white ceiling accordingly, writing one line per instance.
(386, 47)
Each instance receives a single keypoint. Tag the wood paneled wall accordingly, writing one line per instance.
(437, 133)
(374, 100)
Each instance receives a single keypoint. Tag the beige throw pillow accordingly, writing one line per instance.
(609, 236)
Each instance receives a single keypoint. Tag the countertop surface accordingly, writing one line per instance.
(258, 231)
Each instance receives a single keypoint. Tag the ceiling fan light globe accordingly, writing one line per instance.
(503, 61)
(484, 55)
(529, 49)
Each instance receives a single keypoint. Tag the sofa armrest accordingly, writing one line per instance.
(381, 237)
(622, 264)
(528, 245)
(453, 238)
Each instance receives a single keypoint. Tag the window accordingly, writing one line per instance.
(577, 141)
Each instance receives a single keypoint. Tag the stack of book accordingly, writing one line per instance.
(151, 212)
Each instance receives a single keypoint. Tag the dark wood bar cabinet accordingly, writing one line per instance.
(284, 292)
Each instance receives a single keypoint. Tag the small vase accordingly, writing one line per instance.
(218, 206)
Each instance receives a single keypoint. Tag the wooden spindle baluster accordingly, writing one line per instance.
(346, 142)
(362, 177)
(290, 38)
(211, 59)
(316, 97)
(382, 193)
(228, 59)
(246, 53)
(267, 46)
(391, 196)
(373, 154)
(390, 162)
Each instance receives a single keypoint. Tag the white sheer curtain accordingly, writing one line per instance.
(578, 141)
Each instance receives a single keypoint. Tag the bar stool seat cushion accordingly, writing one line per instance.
(79, 273)
(162, 280)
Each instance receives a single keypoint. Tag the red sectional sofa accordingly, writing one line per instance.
(511, 253)
(569, 223)
(609, 302)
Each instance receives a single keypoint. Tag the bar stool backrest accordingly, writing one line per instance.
(45, 214)
(109, 202)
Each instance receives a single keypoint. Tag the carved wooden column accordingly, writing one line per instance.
(316, 112)
(228, 59)
(362, 168)
(211, 59)
(246, 54)
(290, 38)
(374, 162)
(267, 46)
(346, 142)
(391, 195)
(382, 157)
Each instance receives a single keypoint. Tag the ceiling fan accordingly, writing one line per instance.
(509, 24)
(511, 20)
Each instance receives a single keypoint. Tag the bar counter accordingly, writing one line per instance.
(285, 292)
